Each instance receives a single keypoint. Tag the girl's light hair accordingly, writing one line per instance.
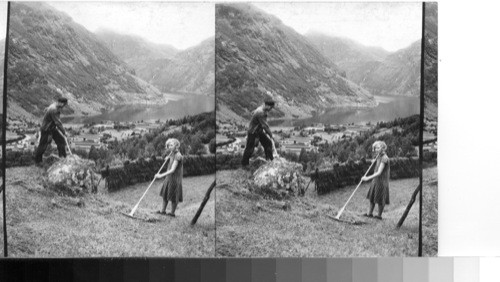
(174, 142)
(382, 145)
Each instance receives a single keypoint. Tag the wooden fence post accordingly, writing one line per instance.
(205, 200)
(410, 204)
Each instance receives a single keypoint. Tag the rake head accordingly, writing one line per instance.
(353, 222)
(150, 219)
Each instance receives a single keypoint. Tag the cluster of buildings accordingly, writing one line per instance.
(86, 141)
(95, 135)
(430, 147)
(297, 147)
(291, 139)
(29, 142)
(239, 144)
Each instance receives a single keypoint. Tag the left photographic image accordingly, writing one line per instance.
(3, 132)
(111, 129)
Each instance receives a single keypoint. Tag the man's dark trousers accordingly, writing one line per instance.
(45, 139)
(264, 140)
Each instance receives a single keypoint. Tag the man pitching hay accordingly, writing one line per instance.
(52, 129)
(259, 131)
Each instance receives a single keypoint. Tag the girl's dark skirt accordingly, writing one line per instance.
(378, 193)
(171, 191)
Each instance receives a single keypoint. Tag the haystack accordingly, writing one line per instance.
(73, 175)
(280, 177)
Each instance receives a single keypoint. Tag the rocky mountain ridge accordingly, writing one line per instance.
(170, 70)
(379, 71)
(431, 62)
(189, 71)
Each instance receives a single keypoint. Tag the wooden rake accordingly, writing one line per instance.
(65, 140)
(337, 218)
(134, 209)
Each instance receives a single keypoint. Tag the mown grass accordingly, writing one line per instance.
(41, 223)
(249, 225)
(430, 212)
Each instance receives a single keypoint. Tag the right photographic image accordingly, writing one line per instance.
(323, 146)
(429, 136)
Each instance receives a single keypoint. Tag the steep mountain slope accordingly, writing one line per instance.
(2, 56)
(171, 70)
(378, 71)
(137, 52)
(129, 47)
(348, 54)
(256, 54)
(189, 71)
(52, 56)
(398, 74)
(2, 60)
(431, 61)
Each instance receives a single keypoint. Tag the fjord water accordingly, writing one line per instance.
(174, 109)
(389, 108)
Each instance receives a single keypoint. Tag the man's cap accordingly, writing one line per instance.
(270, 102)
(62, 100)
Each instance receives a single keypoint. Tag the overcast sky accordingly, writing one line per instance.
(3, 19)
(181, 25)
(391, 26)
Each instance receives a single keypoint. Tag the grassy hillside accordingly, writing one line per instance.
(430, 212)
(43, 223)
(262, 228)
(194, 132)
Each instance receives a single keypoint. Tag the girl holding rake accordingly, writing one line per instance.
(379, 188)
(171, 189)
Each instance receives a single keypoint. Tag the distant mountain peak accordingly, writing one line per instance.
(170, 70)
(104, 31)
(377, 70)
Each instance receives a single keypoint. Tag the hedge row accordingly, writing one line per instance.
(350, 173)
(228, 161)
(225, 143)
(19, 158)
(21, 137)
(143, 170)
